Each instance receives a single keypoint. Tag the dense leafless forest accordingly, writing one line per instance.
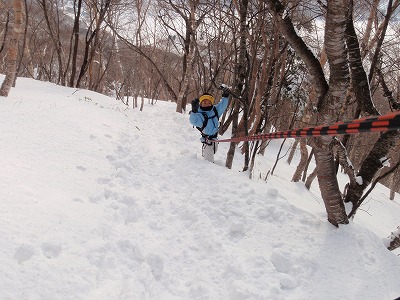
(293, 64)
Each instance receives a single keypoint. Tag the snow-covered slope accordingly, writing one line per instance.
(101, 202)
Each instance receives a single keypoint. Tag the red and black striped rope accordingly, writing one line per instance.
(386, 122)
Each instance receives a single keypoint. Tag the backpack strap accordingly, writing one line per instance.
(215, 112)
(205, 122)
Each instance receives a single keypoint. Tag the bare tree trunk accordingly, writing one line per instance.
(293, 151)
(6, 32)
(313, 65)
(368, 29)
(92, 40)
(75, 41)
(278, 157)
(307, 165)
(344, 160)
(303, 161)
(12, 53)
(55, 38)
(329, 187)
(189, 50)
(378, 32)
(241, 88)
(141, 104)
(26, 50)
(336, 19)
(337, 15)
(102, 71)
(243, 70)
(266, 66)
(253, 157)
(311, 178)
(185, 81)
(380, 41)
(305, 120)
(232, 146)
(394, 184)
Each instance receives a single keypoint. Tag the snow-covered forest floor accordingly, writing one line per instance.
(102, 202)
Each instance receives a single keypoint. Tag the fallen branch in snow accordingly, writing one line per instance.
(394, 239)
(374, 183)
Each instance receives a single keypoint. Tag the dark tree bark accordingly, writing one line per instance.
(92, 40)
(312, 63)
(241, 84)
(359, 78)
(303, 161)
(293, 151)
(380, 41)
(371, 165)
(6, 31)
(75, 41)
(360, 83)
(54, 33)
(374, 183)
(328, 101)
(310, 178)
(12, 53)
(336, 19)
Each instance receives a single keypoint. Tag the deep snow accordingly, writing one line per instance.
(102, 202)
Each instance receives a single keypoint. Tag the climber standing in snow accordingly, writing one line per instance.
(205, 116)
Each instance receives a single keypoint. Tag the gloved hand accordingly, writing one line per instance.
(195, 105)
(225, 91)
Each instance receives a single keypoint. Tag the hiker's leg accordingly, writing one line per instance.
(208, 152)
